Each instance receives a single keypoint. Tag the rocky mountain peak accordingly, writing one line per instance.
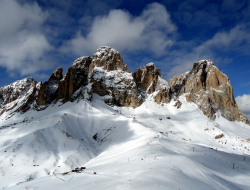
(151, 66)
(106, 75)
(203, 62)
(81, 62)
(48, 89)
(57, 74)
(149, 79)
(210, 89)
(18, 96)
(108, 58)
(16, 90)
(75, 77)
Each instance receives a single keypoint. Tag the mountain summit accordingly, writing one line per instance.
(102, 127)
(106, 75)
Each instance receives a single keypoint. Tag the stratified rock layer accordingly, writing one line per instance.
(210, 89)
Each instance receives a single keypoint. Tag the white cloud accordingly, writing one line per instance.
(228, 40)
(236, 39)
(22, 43)
(150, 31)
(243, 103)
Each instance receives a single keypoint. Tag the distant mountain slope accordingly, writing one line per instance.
(127, 148)
(126, 130)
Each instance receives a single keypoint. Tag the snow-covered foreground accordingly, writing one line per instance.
(123, 148)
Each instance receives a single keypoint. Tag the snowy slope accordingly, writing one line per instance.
(127, 148)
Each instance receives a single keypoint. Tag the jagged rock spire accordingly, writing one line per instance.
(75, 77)
(18, 96)
(112, 79)
(210, 89)
(108, 58)
(49, 89)
(106, 75)
(149, 79)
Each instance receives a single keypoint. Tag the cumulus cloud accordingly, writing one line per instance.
(151, 31)
(243, 103)
(22, 43)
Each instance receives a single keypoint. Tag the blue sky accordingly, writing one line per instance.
(38, 36)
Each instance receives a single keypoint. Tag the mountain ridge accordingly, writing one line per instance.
(124, 130)
(106, 75)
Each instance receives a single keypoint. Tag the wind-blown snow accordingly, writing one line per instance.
(127, 148)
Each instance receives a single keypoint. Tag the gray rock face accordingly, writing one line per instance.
(210, 89)
(111, 78)
(49, 89)
(106, 75)
(18, 96)
(75, 77)
(108, 58)
(149, 79)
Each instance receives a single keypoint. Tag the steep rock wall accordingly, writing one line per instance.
(210, 89)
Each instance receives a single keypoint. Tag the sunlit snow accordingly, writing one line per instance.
(150, 147)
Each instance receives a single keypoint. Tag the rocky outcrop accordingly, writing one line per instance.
(106, 75)
(111, 79)
(149, 79)
(210, 89)
(117, 87)
(75, 77)
(109, 59)
(56, 75)
(49, 89)
(18, 96)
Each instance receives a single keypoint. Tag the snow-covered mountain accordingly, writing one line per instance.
(123, 130)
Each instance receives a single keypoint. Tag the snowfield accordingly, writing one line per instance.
(150, 147)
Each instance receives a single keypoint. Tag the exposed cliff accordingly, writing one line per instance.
(75, 78)
(106, 75)
(149, 79)
(112, 79)
(49, 89)
(210, 89)
(18, 96)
